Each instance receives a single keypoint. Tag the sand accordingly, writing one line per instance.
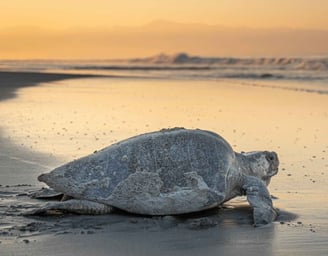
(51, 119)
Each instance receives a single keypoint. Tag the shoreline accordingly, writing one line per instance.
(22, 164)
(10, 82)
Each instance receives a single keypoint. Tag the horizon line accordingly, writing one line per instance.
(190, 55)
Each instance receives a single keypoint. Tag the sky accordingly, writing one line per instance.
(82, 29)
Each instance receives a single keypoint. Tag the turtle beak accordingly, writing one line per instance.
(273, 172)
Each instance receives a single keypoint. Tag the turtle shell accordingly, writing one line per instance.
(171, 171)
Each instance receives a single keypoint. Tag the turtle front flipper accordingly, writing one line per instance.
(72, 206)
(259, 198)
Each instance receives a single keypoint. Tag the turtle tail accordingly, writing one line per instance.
(43, 177)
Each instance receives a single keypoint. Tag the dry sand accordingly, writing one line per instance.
(68, 117)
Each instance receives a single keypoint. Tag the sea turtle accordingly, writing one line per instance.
(167, 172)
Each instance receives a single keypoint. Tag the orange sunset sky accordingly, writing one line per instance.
(98, 29)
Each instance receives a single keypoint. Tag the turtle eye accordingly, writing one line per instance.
(270, 157)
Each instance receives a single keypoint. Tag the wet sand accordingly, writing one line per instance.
(57, 121)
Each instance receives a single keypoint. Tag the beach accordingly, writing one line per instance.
(48, 119)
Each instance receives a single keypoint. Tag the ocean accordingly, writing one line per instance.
(183, 66)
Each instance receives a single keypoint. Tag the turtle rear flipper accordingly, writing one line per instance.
(72, 206)
(47, 194)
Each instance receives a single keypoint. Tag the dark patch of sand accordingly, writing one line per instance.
(11, 81)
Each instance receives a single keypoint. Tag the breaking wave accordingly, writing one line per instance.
(284, 63)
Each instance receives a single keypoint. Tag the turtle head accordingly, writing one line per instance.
(262, 164)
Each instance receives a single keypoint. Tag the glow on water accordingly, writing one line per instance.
(75, 117)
